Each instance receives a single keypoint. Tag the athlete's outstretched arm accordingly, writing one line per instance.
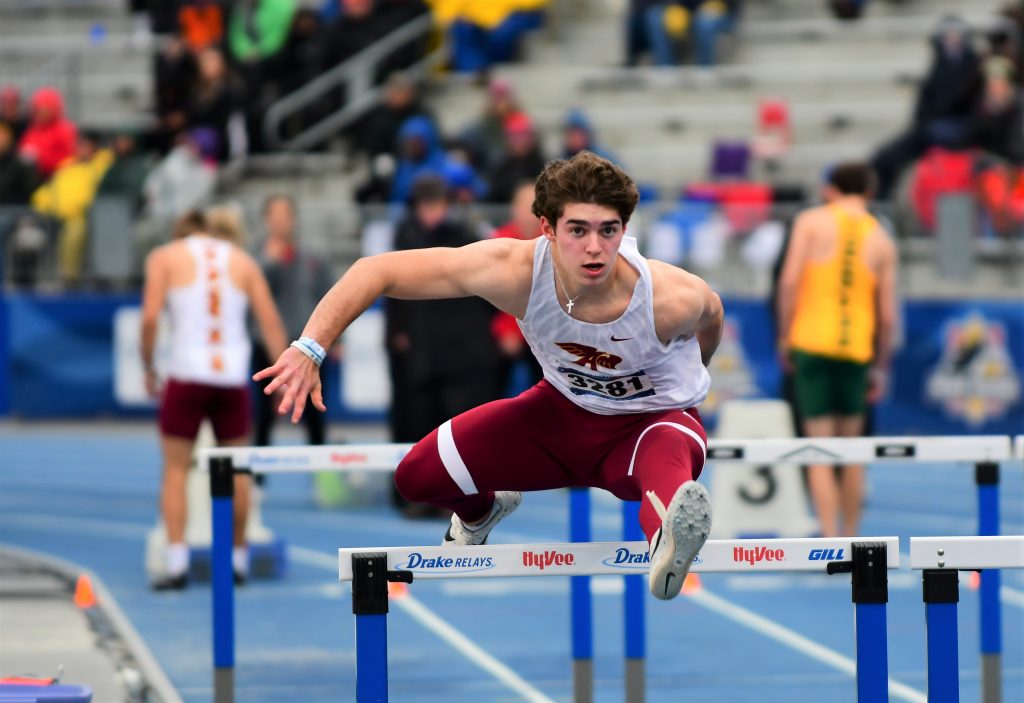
(420, 274)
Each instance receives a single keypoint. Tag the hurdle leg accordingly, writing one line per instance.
(582, 603)
(941, 594)
(870, 585)
(633, 612)
(370, 606)
(986, 476)
(222, 491)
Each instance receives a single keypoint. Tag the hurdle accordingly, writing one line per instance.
(983, 451)
(940, 559)
(371, 569)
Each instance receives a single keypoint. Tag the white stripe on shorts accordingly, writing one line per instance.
(452, 460)
(681, 428)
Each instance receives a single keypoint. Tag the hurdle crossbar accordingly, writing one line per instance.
(940, 559)
(371, 569)
(967, 553)
(838, 450)
(609, 558)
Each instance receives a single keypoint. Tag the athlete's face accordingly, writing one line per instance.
(587, 237)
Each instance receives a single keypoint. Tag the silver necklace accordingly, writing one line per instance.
(571, 301)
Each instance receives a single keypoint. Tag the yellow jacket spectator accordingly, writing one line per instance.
(68, 195)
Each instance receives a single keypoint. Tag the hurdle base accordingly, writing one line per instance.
(636, 679)
(583, 681)
(991, 678)
(223, 684)
(267, 560)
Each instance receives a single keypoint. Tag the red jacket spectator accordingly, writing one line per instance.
(50, 137)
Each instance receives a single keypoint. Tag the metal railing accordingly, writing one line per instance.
(356, 77)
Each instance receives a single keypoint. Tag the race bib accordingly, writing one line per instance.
(626, 387)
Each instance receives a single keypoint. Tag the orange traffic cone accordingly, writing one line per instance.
(692, 583)
(85, 597)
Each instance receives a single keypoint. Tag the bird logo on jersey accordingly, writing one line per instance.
(590, 356)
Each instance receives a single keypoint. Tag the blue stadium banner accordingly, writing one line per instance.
(959, 371)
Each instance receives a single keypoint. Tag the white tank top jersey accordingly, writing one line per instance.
(616, 367)
(210, 343)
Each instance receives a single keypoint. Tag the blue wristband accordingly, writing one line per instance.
(311, 348)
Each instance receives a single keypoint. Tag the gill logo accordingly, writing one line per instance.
(590, 356)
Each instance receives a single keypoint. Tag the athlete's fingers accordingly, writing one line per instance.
(269, 371)
(300, 405)
(279, 381)
(317, 396)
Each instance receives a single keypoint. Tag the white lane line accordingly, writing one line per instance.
(439, 627)
(73, 525)
(791, 639)
(1012, 596)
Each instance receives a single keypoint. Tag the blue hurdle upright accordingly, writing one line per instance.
(940, 560)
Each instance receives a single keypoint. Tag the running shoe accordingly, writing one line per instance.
(505, 503)
(685, 526)
(170, 583)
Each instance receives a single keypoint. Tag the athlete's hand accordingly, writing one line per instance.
(298, 378)
(878, 384)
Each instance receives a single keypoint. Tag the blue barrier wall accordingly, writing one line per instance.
(959, 370)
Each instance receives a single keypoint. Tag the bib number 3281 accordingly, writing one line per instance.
(627, 387)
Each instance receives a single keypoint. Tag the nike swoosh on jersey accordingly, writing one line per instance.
(620, 339)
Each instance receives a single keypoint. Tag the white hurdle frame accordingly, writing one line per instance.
(940, 559)
(223, 462)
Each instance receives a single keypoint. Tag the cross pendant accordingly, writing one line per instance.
(568, 307)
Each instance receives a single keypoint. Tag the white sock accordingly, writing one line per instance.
(177, 558)
(240, 560)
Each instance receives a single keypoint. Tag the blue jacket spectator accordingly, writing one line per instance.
(578, 133)
(420, 152)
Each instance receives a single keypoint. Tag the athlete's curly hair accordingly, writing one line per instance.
(585, 178)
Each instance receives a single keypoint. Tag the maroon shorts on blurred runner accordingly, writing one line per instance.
(184, 405)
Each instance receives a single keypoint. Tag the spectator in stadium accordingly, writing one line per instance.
(996, 120)
(420, 151)
(361, 23)
(482, 34)
(378, 131)
(578, 135)
(257, 31)
(440, 352)
(943, 106)
(297, 281)
(522, 160)
(181, 182)
(50, 137)
(484, 139)
(208, 282)
(215, 103)
(201, 24)
(711, 19)
(126, 177)
(512, 347)
(17, 178)
(174, 71)
(836, 315)
(658, 27)
(11, 112)
(67, 196)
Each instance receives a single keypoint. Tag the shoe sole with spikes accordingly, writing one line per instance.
(685, 526)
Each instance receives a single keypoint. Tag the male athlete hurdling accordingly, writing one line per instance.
(623, 341)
